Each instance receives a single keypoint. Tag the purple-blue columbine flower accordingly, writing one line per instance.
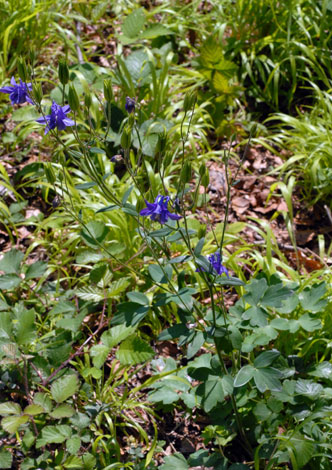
(57, 118)
(18, 92)
(158, 210)
(130, 105)
(216, 265)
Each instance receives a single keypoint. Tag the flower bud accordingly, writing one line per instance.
(73, 99)
(49, 173)
(63, 72)
(87, 99)
(205, 180)
(189, 100)
(108, 91)
(37, 92)
(126, 138)
(185, 175)
(22, 70)
(130, 105)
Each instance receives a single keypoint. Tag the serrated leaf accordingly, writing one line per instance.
(11, 262)
(211, 52)
(73, 445)
(43, 400)
(308, 388)
(9, 281)
(134, 23)
(311, 298)
(54, 435)
(62, 411)
(93, 294)
(220, 83)
(134, 351)
(12, 423)
(6, 459)
(33, 410)
(35, 270)
(245, 374)
(10, 408)
(117, 287)
(99, 353)
(64, 387)
(154, 31)
(116, 334)
(175, 461)
(89, 461)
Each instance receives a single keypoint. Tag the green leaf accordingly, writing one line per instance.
(25, 113)
(275, 295)
(256, 289)
(33, 410)
(11, 262)
(308, 388)
(94, 233)
(117, 287)
(212, 392)
(195, 344)
(211, 52)
(164, 395)
(257, 316)
(134, 351)
(173, 332)
(35, 270)
(302, 447)
(310, 298)
(266, 358)
(245, 374)
(97, 273)
(308, 323)
(175, 461)
(10, 408)
(267, 379)
(138, 297)
(9, 281)
(73, 445)
(154, 31)
(162, 276)
(229, 281)
(62, 411)
(134, 23)
(43, 400)
(26, 327)
(99, 354)
(54, 435)
(116, 334)
(322, 370)
(6, 459)
(129, 313)
(12, 423)
(64, 387)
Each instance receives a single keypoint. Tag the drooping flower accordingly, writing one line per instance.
(216, 266)
(57, 118)
(130, 105)
(158, 210)
(18, 92)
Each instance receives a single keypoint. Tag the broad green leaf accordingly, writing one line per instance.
(311, 298)
(73, 445)
(134, 23)
(5, 326)
(6, 459)
(97, 273)
(220, 83)
(212, 393)
(94, 233)
(308, 388)
(26, 327)
(33, 410)
(275, 295)
(99, 354)
(72, 323)
(162, 276)
(266, 358)
(211, 52)
(175, 462)
(173, 332)
(89, 461)
(134, 351)
(255, 291)
(267, 379)
(262, 412)
(11, 261)
(138, 297)
(289, 305)
(302, 447)
(117, 287)
(35, 270)
(195, 344)
(25, 113)
(322, 370)
(164, 395)
(12, 423)
(10, 408)
(308, 323)
(154, 31)
(129, 313)
(43, 400)
(62, 411)
(54, 435)
(116, 334)
(64, 387)
(257, 316)
(245, 374)
(9, 281)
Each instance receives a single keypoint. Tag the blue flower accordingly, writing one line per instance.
(215, 265)
(130, 105)
(57, 118)
(158, 210)
(18, 93)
